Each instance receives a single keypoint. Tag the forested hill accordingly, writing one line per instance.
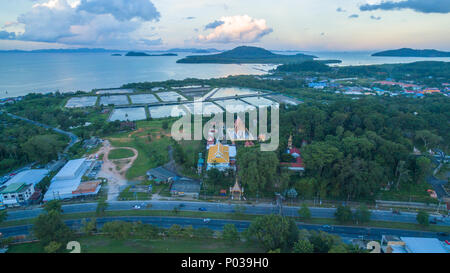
(409, 52)
(247, 54)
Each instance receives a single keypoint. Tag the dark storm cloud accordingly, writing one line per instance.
(214, 24)
(424, 6)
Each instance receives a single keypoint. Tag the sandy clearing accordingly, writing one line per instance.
(115, 170)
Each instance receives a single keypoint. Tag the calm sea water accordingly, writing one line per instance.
(22, 73)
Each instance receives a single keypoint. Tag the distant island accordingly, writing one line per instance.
(116, 54)
(247, 54)
(143, 54)
(409, 52)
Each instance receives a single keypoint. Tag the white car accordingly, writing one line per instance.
(137, 207)
(206, 220)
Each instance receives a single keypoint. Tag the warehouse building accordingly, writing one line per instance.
(65, 184)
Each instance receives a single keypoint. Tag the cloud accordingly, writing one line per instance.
(122, 10)
(340, 10)
(5, 35)
(239, 28)
(353, 16)
(424, 6)
(214, 24)
(375, 17)
(115, 23)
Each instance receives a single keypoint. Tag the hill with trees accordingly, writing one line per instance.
(409, 52)
(246, 54)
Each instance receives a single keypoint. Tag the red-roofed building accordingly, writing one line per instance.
(297, 165)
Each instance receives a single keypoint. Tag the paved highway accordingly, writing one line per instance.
(260, 209)
(217, 224)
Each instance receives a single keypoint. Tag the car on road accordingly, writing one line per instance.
(206, 220)
(136, 207)
(443, 234)
(202, 209)
(181, 205)
(326, 226)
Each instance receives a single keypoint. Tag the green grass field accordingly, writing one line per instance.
(103, 244)
(152, 153)
(120, 153)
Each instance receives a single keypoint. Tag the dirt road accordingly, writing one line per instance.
(115, 170)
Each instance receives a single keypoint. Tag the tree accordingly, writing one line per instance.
(429, 139)
(101, 207)
(362, 214)
(338, 248)
(188, 231)
(50, 227)
(53, 205)
(257, 169)
(422, 167)
(305, 187)
(175, 231)
(319, 156)
(43, 148)
(322, 241)
(230, 233)
(423, 218)
(343, 214)
(303, 246)
(273, 231)
(117, 229)
(304, 212)
(89, 227)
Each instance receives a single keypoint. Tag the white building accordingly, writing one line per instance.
(66, 182)
(16, 194)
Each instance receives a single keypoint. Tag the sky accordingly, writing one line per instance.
(307, 25)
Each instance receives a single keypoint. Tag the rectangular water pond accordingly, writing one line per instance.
(77, 102)
(232, 92)
(166, 111)
(116, 100)
(235, 105)
(261, 102)
(128, 114)
(170, 96)
(143, 98)
(113, 91)
(204, 108)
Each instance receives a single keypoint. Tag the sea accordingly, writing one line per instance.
(23, 73)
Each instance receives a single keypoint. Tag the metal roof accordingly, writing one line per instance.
(423, 245)
(28, 177)
(69, 171)
(15, 187)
